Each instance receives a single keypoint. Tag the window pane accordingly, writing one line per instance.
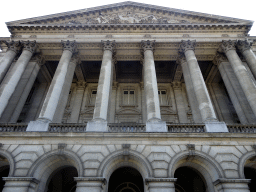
(131, 92)
(125, 92)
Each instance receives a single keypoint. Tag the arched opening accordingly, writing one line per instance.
(126, 179)
(250, 173)
(62, 180)
(4, 170)
(189, 180)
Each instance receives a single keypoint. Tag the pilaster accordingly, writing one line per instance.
(232, 185)
(92, 184)
(19, 184)
(161, 184)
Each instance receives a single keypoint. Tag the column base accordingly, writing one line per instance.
(38, 125)
(97, 125)
(156, 125)
(215, 126)
(232, 185)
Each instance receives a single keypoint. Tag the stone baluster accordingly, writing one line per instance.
(203, 98)
(242, 74)
(245, 48)
(99, 122)
(92, 184)
(20, 184)
(232, 185)
(154, 123)
(5, 63)
(13, 76)
(54, 93)
(161, 184)
(190, 91)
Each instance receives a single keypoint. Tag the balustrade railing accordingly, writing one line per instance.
(13, 127)
(123, 127)
(65, 127)
(186, 128)
(241, 128)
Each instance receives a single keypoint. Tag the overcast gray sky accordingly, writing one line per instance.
(12, 10)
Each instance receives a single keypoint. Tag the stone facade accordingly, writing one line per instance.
(128, 85)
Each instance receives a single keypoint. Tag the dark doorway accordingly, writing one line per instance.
(126, 179)
(62, 180)
(250, 173)
(189, 180)
(4, 172)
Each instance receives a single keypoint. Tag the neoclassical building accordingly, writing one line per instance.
(128, 97)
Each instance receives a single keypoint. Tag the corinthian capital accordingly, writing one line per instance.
(13, 46)
(181, 58)
(69, 45)
(29, 46)
(187, 45)
(219, 58)
(147, 45)
(228, 45)
(243, 45)
(108, 45)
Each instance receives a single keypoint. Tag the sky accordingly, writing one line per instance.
(12, 10)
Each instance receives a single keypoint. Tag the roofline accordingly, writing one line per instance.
(126, 3)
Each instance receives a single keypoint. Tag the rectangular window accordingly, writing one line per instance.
(162, 97)
(128, 97)
(93, 97)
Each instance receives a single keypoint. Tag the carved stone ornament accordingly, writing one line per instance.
(61, 147)
(148, 45)
(13, 46)
(187, 45)
(176, 85)
(219, 58)
(108, 45)
(29, 46)
(243, 45)
(69, 45)
(39, 59)
(80, 84)
(181, 58)
(228, 45)
(75, 59)
(191, 149)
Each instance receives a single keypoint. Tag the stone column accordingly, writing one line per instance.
(99, 122)
(54, 93)
(242, 75)
(203, 98)
(190, 90)
(161, 184)
(154, 123)
(245, 48)
(236, 94)
(19, 184)
(13, 76)
(5, 63)
(90, 184)
(232, 185)
(78, 102)
(177, 87)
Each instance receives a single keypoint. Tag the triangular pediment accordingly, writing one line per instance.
(128, 13)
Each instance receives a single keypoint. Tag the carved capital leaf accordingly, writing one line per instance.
(76, 59)
(69, 45)
(39, 59)
(228, 45)
(148, 45)
(187, 45)
(81, 84)
(219, 58)
(181, 58)
(13, 46)
(176, 85)
(108, 45)
(29, 46)
(243, 45)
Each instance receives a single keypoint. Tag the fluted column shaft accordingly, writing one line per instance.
(202, 95)
(242, 75)
(5, 63)
(245, 48)
(104, 84)
(12, 79)
(58, 81)
(150, 82)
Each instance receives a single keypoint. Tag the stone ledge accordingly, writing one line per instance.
(221, 181)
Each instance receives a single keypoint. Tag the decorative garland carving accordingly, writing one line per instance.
(69, 45)
(228, 45)
(147, 45)
(243, 45)
(187, 45)
(29, 46)
(14, 46)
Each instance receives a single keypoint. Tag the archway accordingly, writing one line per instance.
(189, 180)
(62, 180)
(126, 179)
(4, 170)
(250, 172)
